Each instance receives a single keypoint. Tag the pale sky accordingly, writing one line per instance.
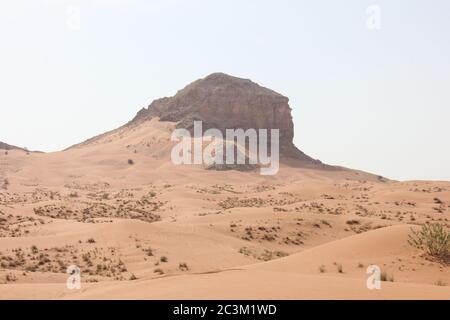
(374, 100)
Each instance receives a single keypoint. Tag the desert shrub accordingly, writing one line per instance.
(130, 162)
(183, 266)
(148, 251)
(158, 271)
(91, 240)
(339, 267)
(386, 277)
(440, 283)
(433, 238)
(5, 184)
(11, 277)
(133, 277)
(322, 269)
(164, 259)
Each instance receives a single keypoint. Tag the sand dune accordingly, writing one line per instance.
(139, 226)
(293, 277)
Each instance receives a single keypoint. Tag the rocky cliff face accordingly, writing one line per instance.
(225, 102)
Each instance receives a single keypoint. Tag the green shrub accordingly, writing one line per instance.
(432, 238)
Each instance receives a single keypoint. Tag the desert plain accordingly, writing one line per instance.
(140, 227)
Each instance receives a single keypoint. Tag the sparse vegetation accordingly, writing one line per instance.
(148, 251)
(159, 271)
(183, 266)
(433, 238)
(266, 255)
(10, 277)
(386, 277)
(339, 267)
(96, 261)
(440, 283)
(326, 223)
(5, 184)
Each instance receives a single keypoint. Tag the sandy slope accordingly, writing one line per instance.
(88, 206)
(292, 277)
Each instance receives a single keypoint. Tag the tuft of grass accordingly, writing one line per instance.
(183, 266)
(325, 222)
(322, 269)
(148, 251)
(339, 267)
(158, 271)
(386, 277)
(5, 184)
(352, 222)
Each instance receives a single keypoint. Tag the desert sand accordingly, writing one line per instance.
(149, 229)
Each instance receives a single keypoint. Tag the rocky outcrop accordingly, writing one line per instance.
(226, 102)
(5, 146)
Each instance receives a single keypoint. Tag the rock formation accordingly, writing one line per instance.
(226, 102)
(5, 146)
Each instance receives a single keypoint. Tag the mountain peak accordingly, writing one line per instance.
(219, 80)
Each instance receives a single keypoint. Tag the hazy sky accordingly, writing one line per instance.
(372, 99)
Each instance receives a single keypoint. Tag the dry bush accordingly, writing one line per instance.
(183, 266)
(386, 277)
